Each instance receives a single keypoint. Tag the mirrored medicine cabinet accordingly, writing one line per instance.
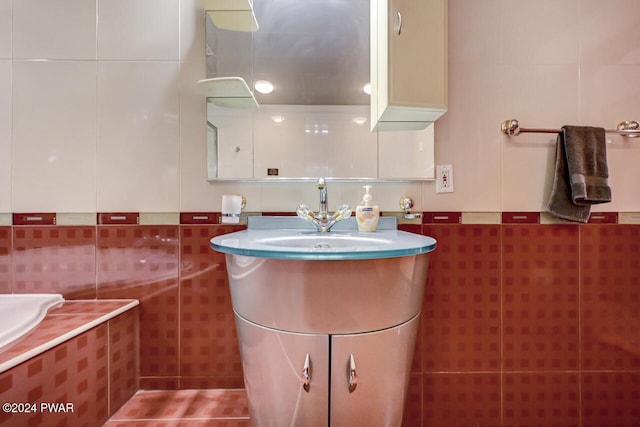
(316, 120)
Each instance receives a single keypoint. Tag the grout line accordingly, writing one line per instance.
(179, 419)
(108, 322)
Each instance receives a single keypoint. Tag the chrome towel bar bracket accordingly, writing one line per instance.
(630, 129)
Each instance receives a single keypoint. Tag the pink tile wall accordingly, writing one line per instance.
(180, 282)
(51, 258)
(209, 356)
(523, 324)
(5, 259)
(529, 324)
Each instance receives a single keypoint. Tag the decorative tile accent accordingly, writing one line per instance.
(461, 400)
(541, 399)
(442, 217)
(199, 218)
(541, 297)
(603, 218)
(60, 259)
(461, 310)
(520, 217)
(34, 219)
(118, 218)
(540, 303)
(610, 268)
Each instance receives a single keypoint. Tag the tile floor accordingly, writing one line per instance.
(184, 408)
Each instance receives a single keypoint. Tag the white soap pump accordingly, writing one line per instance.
(367, 214)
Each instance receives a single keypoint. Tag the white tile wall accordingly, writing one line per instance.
(138, 30)
(54, 29)
(54, 136)
(138, 136)
(5, 135)
(5, 29)
(117, 101)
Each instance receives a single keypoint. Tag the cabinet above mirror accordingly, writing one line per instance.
(316, 121)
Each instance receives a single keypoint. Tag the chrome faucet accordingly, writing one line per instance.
(322, 220)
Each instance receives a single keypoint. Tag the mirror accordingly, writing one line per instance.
(315, 122)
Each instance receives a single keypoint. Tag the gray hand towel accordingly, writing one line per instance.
(581, 173)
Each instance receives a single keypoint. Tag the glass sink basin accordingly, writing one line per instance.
(325, 241)
(293, 238)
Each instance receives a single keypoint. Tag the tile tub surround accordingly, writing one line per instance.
(512, 311)
(90, 362)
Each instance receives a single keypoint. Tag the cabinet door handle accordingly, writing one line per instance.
(399, 22)
(306, 374)
(353, 374)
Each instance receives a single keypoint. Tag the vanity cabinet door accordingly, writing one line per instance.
(408, 63)
(286, 376)
(370, 374)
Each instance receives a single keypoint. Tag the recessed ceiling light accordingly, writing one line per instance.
(367, 89)
(359, 120)
(263, 86)
(277, 119)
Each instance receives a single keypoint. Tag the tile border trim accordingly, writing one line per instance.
(213, 218)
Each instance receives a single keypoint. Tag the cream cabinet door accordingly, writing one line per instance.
(408, 63)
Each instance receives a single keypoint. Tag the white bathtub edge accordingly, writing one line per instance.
(5, 366)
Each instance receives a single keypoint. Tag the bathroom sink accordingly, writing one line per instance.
(314, 310)
(342, 281)
(293, 238)
(325, 241)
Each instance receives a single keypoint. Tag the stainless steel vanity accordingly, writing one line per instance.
(326, 321)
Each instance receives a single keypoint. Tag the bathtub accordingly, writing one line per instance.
(20, 313)
(85, 345)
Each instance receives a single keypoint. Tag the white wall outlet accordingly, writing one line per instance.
(444, 179)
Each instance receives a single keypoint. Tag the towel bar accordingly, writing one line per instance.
(629, 129)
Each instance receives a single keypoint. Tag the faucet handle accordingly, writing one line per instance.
(343, 212)
(304, 212)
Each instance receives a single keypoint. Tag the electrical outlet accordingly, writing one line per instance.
(444, 179)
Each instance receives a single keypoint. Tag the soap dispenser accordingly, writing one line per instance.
(367, 214)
